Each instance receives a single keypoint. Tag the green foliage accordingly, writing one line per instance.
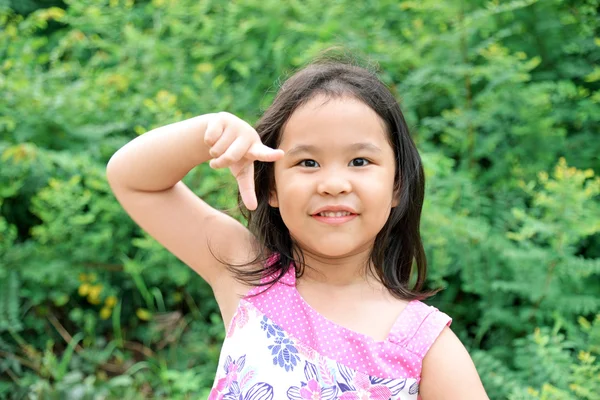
(503, 100)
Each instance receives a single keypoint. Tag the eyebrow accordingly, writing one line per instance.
(307, 148)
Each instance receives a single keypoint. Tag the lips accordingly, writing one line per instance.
(338, 210)
(336, 214)
(334, 218)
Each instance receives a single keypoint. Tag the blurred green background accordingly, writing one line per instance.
(503, 99)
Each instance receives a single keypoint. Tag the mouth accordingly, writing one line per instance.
(334, 210)
(333, 214)
(334, 217)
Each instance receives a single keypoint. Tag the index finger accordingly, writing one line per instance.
(261, 152)
(245, 179)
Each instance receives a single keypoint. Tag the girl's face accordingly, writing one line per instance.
(336, 154)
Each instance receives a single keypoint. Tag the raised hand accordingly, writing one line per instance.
(234, 144)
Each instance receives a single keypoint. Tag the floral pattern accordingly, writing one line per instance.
(272, 329)
(358, 386)
(312, 388)
(239, 320)
(231, 387)
(284, 351)
(363, 389)
(297, 371)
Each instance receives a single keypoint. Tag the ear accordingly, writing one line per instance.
(273, 201)
(396, 196)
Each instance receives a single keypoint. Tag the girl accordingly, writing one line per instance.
(315, 292)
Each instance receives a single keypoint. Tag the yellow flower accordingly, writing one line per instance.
(84, 289)
(143, 314)
(101, 375)
(105, 313)
(83, 277)
(95, 290)
(204, 67)
(532, 391)
(110, 301)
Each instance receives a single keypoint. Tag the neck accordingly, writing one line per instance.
(342, 271)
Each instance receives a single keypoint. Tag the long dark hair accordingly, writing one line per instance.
(398, 245)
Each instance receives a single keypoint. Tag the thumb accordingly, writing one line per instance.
(261, 152)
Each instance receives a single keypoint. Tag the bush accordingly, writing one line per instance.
(503, 99)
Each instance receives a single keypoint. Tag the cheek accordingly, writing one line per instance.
(287, 198)
(376, 187)
(291, 185)
(292, 199)
(279, 190)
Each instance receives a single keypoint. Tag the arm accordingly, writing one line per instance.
(145, 176)
(159, 159)
(448, 371)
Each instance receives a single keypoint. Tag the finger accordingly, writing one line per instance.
(214, 130)
(224, 142)
(259, 151)
(245, 179)
(233, 154)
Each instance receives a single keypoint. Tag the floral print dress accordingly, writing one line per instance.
(279, 347)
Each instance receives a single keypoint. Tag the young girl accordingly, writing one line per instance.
(316, 291)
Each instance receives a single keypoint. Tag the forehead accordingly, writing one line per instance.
(330, 122)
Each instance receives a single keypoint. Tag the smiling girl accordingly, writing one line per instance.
(315, 292)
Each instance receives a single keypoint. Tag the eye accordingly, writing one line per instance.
(308, 163)
(360, 162)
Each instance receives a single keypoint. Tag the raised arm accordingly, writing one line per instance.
(145, 176)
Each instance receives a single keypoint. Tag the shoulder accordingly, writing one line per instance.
(448, 371)
(230, 289)
(421, 324)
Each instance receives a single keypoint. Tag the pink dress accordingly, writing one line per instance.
(279, 347)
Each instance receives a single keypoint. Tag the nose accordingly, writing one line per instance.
(334, 183)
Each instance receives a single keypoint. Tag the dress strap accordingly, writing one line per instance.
(418, 326)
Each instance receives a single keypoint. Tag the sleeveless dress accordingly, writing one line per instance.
(278, 347)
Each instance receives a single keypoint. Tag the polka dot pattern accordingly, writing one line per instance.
(399, 355)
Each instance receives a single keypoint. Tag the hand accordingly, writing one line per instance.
(235, 144)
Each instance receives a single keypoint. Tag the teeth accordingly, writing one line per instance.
(335, 214)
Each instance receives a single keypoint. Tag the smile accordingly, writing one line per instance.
(334, 218)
